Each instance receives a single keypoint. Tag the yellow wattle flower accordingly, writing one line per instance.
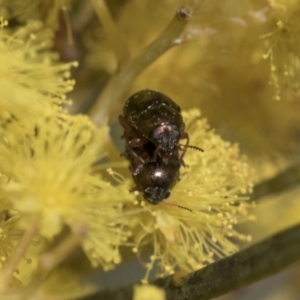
(47, 11)
(31, 75)
(195, 225)
(49, 159)
(53, 183)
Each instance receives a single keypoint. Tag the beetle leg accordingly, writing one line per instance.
(137, 142)
(124, 122)
(128, 129)
(155, 154)
(132, 136)
(184, 135)
(136, 157)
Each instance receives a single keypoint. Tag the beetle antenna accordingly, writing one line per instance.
(192, 147)
(182, 207)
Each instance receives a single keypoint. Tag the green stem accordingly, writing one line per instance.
(241, 269)
(50, 260)
(17, 255)
(280, 183)
(120, 82)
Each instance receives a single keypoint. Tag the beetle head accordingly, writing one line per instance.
(155, 195)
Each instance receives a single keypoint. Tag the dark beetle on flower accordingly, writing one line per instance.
(153, 126)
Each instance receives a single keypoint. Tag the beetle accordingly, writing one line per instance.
(153, 126)
(150, 116)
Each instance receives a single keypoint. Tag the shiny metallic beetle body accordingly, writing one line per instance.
(153, 126)
(154, 179)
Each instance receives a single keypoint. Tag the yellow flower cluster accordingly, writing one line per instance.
(196, 224)
(46, 11)
(48, 158)
(51, 167)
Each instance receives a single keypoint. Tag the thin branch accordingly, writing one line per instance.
(280, 183)
(111, 30)
(47, 262)
(241, 269)
(51, 259)
(120, 82)
(82, 16)
(21, 248)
